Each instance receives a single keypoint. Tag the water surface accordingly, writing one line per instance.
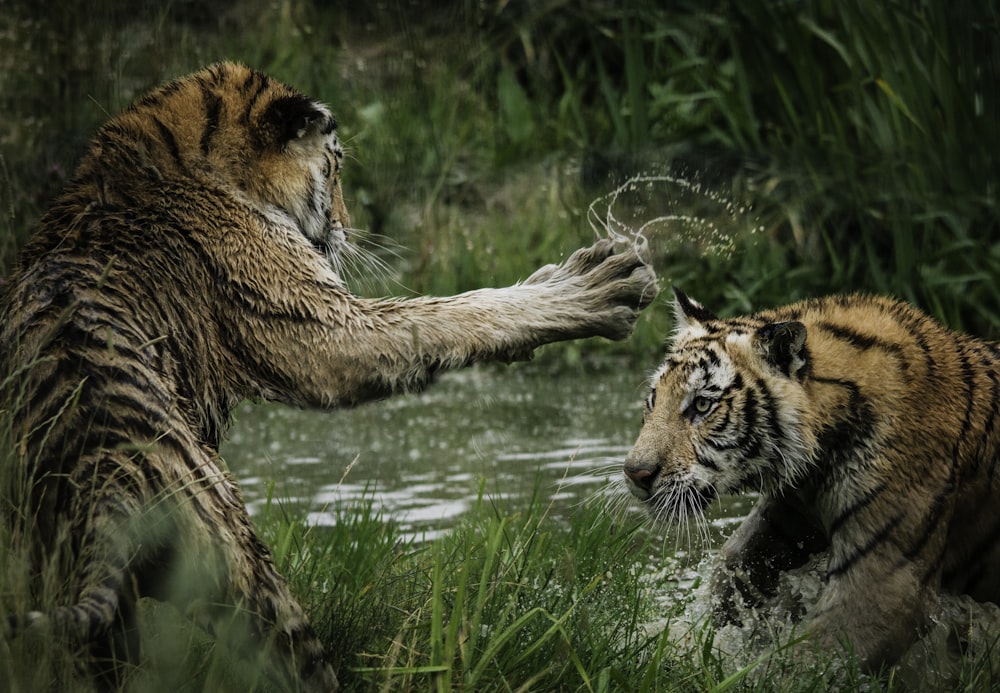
(423, 458)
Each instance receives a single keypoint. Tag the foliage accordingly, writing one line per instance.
(862, 139)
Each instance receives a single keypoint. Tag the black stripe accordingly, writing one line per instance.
(985, 438)
(169, 140)
(858, 340)
(839, 441)
(856, 506)
(218, 73)
(213, 106)
(932, 519)
(44, 389)
(723, 422)
(861, 551)
(726, 426)
(709, 360)
(263, 84)
(750, 441)
(969, 380)
(770, 407)
(154, 98)
(94, 440)
(706, 462)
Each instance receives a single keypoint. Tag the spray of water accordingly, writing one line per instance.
(672, 211)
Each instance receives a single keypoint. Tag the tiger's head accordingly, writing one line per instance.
(726, 413)
(232, 128)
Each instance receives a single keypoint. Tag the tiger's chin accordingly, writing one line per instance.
(670, 504)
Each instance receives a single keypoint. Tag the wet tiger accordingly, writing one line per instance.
(870, 431)
(189, 265)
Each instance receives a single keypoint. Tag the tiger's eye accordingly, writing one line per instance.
(702, 405)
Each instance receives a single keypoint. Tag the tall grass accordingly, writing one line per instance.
(515, 600)
(505, 601)
(862, 137)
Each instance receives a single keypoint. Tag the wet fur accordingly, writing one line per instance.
(189, 266)
(872, 434)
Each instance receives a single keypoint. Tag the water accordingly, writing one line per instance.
(423, 458)
(673, 212)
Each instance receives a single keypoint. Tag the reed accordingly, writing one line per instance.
(862, 138)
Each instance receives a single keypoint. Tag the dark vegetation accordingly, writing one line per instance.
(860, 141)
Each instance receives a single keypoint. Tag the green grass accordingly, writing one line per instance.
(515, 600)
(862, 138)
(508, 600)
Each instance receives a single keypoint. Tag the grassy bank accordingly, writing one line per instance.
(505, 602)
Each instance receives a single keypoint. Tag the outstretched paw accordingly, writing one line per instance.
(608, 287)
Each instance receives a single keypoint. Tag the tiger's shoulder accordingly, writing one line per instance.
(888, 340)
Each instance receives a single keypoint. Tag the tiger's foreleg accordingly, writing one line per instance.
(877, 614)
(356, 350)
(773, 538)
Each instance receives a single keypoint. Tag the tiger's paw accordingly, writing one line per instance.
(607, 287)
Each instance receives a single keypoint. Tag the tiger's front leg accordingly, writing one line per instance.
(346, 350)
(773, 538)
(878, 614)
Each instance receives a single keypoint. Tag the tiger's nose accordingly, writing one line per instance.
(642, 474)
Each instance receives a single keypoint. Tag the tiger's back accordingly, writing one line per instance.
(870, 431)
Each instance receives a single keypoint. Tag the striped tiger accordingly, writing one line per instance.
(190, 264)
(870, 431)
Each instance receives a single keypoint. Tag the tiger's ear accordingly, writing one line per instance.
(688, 312)
(783, 346)
(294, 117)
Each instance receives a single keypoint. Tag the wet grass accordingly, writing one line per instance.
(513, 600)
(506, 601)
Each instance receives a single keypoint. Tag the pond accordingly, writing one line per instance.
(424, 458)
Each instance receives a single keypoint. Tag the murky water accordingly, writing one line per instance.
(424, 458)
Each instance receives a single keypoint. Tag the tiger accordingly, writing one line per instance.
(871, 434)
(190, 265)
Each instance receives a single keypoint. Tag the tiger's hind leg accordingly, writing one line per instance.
(114, 658)
(102, 619)
(254, 612)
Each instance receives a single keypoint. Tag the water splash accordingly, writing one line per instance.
(961, 633)
(673, 211)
